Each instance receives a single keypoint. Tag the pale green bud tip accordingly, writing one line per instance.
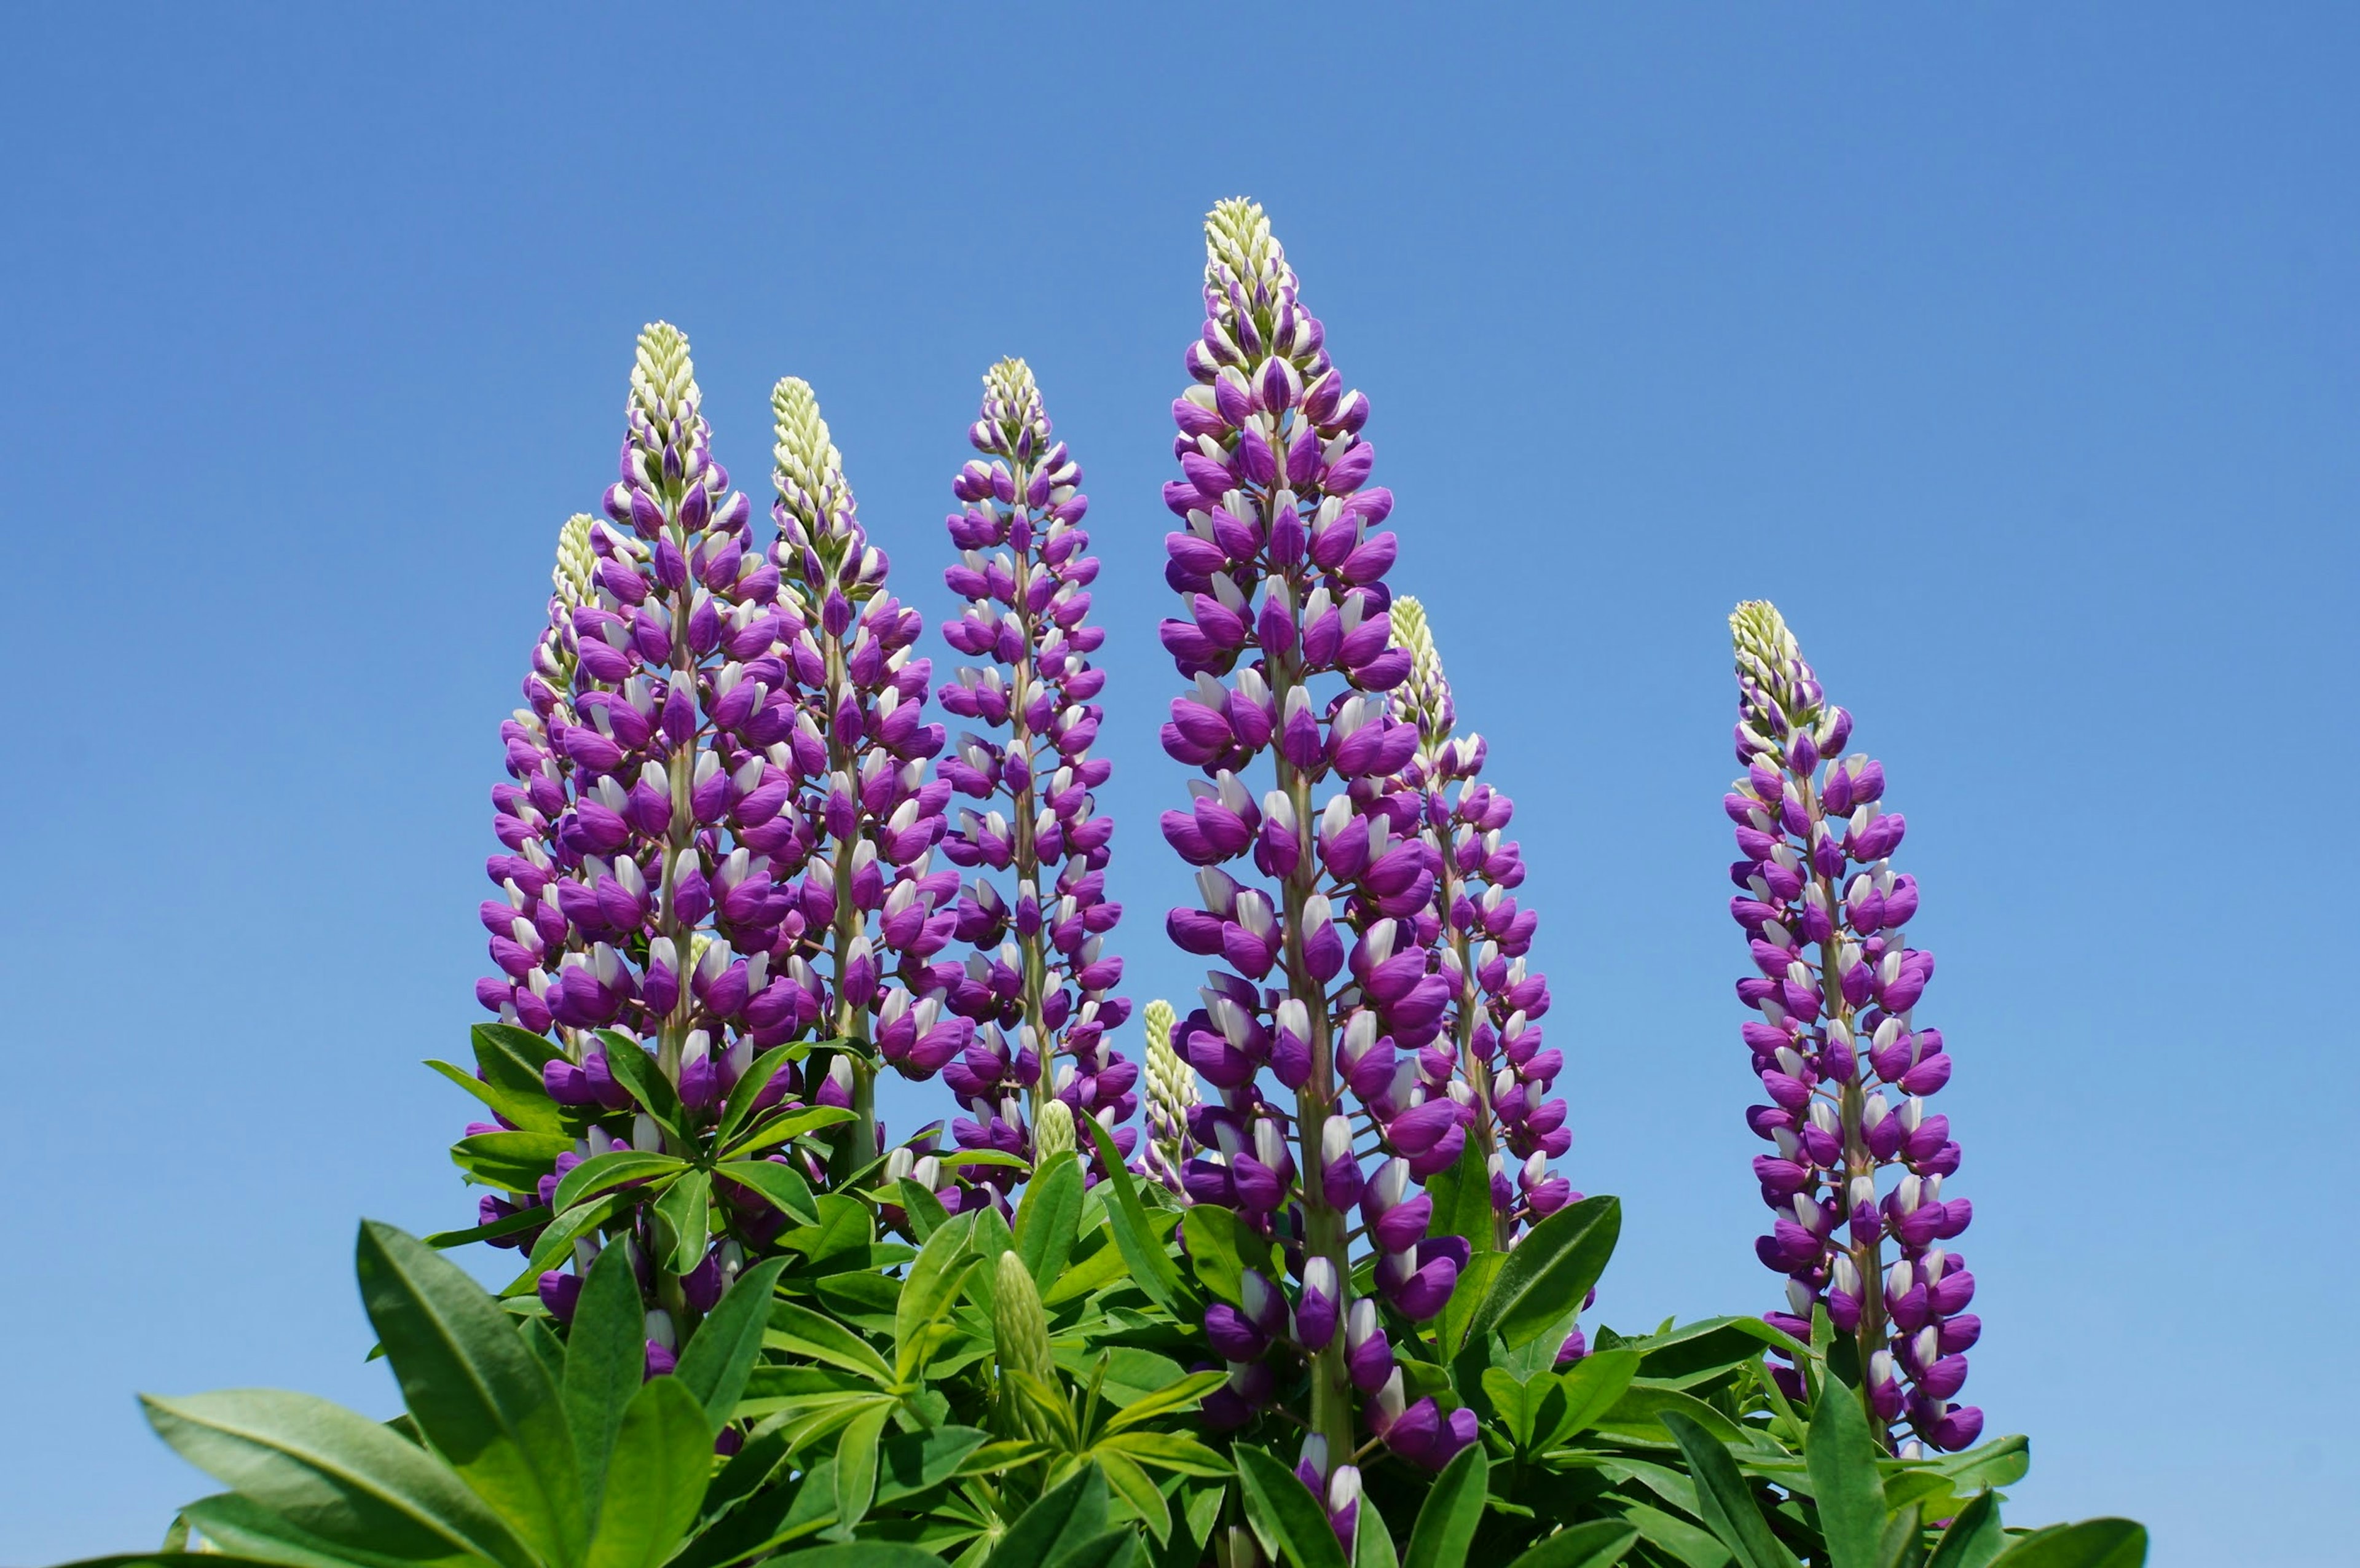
(808, 471)
(1055, 1133)
(1426, 693)
(575, 563)
(1767, 651)
(1159, 1018)
(1239, 247)
(663, 378)
(1020, 1328)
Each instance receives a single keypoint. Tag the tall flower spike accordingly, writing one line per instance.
(1847, 1067)
(641, 890)
(1172, 1097)
(1503, 1070)
(875, 911)
(1330, 983)
(1038, 982)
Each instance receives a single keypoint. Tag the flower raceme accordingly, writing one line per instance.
(1036, 985)
(1846, 1065)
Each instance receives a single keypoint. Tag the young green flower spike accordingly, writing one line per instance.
(1843, 1060)
(1171, 1094)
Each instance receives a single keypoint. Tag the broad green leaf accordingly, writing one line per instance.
(1974, 1538)
(1593, 1386)
(1446, 1525)
(1644, 1404)
(636, 1071)
(720, 1354)
(510, 1161)
(1117, 1548)
(1048, 1218)
(511, 1058)
(926, 1212)
(1221, 1247)
(606, 1362)
(1136, 1489)
(2092, 1543)
(336, 1474)
(1550, 1271)
(907, 1464)
(925, 1295)
(184, 1560)
(1725, 1501)
(556, 1243)
(1462, 1200)
(2002, 1462)
(684, 1220)
(1597, 1544)
(749, 1089)
(807, 1333)
(531, 1111)
(778, 1126)
(1904, 1543)
(1185, 1394)
(781, 1186)
(665, 1450)
(1675, 1536)
(1291, 1522)
(845, 1226)
(1141, 1247)
(606, 1172)
(511, 1225)
(863, 1554)
(1094, 1272)
(1697, 1350)
(1165, 1451)
(1844, 1483)
(1373, 1542)
(244, 1527)
(1067, 1514)
(856, 1465)
(483, 1401)
(1467, 1296)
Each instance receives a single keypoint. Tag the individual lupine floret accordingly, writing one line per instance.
(1280, 564)
(1504, 1069)
(1038, 984)
(874, 912)
(1847, 1067)
(645, 882)
(1171, 1095)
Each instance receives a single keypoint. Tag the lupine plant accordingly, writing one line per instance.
(1325, 1306)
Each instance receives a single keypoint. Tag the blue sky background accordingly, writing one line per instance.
(2011, 349)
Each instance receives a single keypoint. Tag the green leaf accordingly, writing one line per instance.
(1184, 1395)
(609, 1172)
(927, 1294)
(1593, 1386)
(1291, 1522)
(864, 1554)
(781, 1186)
(606, 1362)
(1723, 1500)
(1372, 1541)
(483, 1401)
(336, 1474)
(636, 1071)
(1697, 1350)
(186, 1560)
(1644, 1404)
(244, 1527)
(1596, 1544)
(779, 1126)
(807, 1333)
(1518, 1404)
(666, 1450)
(511, 1058)
(926, 1212)
(1974, 1538)
(1841, 1457)
(1904, 1544)
(749, 1086)
(845, 1226)
(1136, 1489)
(1462, 1200)
(532, 1111)
(1166, 1451)
(1446, 1525)
(1068, 1513)
(1465, 1299)
(511, 1162)
(1149, 1264)
(720, 1354)
(512, 1225)
(856, 1465)
(1550, 1271)
(1117, 1548)
(1048, 1218)
(684, 1222)
(557, 1241)
(1221, 1247)
(1675, 1536)
(1095, 1272)
(2002, 1462)
(2092, 1543)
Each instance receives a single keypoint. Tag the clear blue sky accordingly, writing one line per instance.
(2011, 349)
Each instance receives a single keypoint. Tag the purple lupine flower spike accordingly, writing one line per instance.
(874, 912)
(644, 883)
(1504, 1069)
(1038, 984)
(1846, 1063)
(1314, 882)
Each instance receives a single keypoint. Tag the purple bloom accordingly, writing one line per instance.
(1845, 1061)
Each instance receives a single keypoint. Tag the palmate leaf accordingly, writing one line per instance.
(925, 1297)
(481, 1398)
(684, 1219)
(337, 1475)
(806, 1333)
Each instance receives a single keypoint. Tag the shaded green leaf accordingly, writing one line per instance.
(1127, 1217)
(530, 1111)
(666, 1450)
(807, 1333)
(1446, 1525)
(748, 1090)
(1462, 1200)
(511, 1162)
(720, 1354)
(1973, 1536)
(1048, 1218)
(856, 1465)
(1221, 1247)
(606, 1361)
(1549, 1272)
(1070, 1512)
(925, 1296)
(684, 1222)
(1597, 1544)
(1186, 1393)
(1723, 1500)
(1850, 1495)
(1291, 1521)
(2092, 1543)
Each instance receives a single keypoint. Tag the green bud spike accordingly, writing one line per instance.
(1425, 695)
(1769, 657)
(663, 378)
(1019, 1329)
(575, 563)
(808, 471)
(1053, 1133)
(1169, 1080)
(1011, 406)
(1239, 249)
